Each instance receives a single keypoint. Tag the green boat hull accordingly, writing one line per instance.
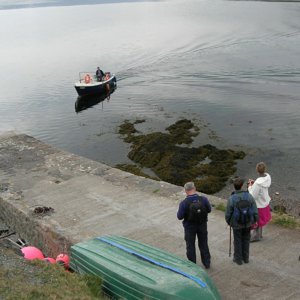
(132, 270)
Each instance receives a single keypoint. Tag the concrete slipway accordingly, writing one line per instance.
(91, 199)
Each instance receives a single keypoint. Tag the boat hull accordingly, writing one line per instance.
(95, 88)
(132, 270)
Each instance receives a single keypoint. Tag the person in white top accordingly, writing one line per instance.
(259, 189)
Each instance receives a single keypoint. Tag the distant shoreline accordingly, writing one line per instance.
(61, 3)
(93, 2)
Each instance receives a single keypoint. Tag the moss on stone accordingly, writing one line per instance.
(127, 128)
(183, 131)
(162, 153)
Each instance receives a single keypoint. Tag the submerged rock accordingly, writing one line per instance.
(164, 154)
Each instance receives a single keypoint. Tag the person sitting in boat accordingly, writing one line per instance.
(99, 74)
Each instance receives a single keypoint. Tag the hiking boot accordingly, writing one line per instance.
(246, 261)
(238, 262)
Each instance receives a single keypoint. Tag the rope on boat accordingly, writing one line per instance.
(175, 270)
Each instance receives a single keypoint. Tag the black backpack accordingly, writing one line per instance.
(197, 212)
(243, 212)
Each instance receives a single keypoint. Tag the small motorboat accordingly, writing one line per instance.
(132, 270)
(89, 84)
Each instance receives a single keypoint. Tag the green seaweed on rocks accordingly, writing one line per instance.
(127, 128)
(206, 165)
(183, 131)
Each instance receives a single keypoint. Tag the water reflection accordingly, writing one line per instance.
(85, 102)
(235, 66)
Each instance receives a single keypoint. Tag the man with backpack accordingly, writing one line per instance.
(193, 211)
(241, 213)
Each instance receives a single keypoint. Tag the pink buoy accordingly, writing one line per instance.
(49, 260)
(31, 252)
(63, 259)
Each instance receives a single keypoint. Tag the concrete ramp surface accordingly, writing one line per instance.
(91, 199)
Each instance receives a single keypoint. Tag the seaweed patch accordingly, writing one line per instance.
(171, 161)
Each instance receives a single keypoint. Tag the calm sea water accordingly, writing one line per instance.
(231, 65)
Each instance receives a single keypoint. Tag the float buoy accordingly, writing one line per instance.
(63, 260)
(31, 252)
(49, 260)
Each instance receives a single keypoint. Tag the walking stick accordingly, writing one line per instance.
(229, 241)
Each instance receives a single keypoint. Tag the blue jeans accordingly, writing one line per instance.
(190, 233)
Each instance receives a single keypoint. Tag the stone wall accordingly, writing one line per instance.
(42, 233)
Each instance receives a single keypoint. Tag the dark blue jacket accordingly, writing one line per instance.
(99, 73)
(183, 209)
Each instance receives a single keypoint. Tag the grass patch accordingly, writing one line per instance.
(286, 221)
(38, 280)
(220, 206)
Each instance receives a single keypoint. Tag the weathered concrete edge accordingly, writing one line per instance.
(41, 233)
(46, 233)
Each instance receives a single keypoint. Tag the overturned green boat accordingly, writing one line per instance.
(132, 270)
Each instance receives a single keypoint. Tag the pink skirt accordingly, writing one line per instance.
(264, 217)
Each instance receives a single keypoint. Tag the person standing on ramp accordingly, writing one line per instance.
(241, 213)
(259, 189)
(193, 211)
